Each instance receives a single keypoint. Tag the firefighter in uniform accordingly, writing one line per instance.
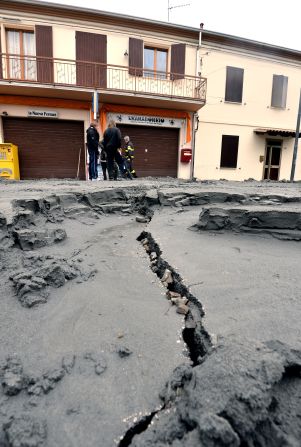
(129, 156)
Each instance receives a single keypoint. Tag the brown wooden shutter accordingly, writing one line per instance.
(44, 53)
(91, 48)
(177, 64)
(1, 72)
(135, 56)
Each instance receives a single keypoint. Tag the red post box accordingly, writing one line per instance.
(186, 155)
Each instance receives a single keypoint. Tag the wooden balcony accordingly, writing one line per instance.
(108, 79)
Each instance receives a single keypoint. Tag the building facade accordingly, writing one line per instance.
(61, 66)
(247, 128)
(55, 59)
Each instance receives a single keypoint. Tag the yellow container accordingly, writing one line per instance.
(9, 161)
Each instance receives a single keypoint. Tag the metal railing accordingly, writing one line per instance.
(83, 74)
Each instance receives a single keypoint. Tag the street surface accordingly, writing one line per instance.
(92, 351)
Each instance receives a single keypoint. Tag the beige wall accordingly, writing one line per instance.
(251, 147)
(219, 118)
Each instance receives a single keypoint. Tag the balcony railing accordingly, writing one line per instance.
(116, 78)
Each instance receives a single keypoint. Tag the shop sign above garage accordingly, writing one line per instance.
(42, 114)
(145, 120)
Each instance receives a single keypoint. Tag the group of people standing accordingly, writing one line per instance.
(110, 153)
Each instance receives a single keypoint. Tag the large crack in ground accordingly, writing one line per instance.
(194, 334)
(197, 339)
(255, 412)
(234, 393)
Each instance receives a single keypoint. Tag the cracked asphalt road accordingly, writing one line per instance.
(249, 285)
(109, 317)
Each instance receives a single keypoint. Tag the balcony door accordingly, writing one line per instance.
(272, 160)
(21, 60)
(155, 63)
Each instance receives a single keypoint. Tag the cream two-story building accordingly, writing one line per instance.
(233, 102)
(247, 128)
(55, 59)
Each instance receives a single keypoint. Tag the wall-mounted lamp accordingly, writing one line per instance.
(126, 53)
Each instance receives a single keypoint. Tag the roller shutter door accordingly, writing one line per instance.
(47, 148)
(156, 149)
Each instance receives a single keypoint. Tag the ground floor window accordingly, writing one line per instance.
(229, 151)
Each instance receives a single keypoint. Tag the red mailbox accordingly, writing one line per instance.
(186, 155)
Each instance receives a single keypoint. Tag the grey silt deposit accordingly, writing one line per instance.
(111, 341)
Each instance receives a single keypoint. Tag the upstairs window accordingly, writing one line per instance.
(229, 151)
(234, 84)
(20, 47)
(279, 91)
(155, 63)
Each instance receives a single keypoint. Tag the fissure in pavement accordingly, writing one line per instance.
(197, 339)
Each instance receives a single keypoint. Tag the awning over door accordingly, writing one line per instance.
(276, 132)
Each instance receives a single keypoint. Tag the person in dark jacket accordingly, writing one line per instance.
(103, 159)
(111, 143)
(129, 156)
(92, 145)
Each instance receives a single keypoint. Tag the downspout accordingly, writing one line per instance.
(194, 130)
(195, 115)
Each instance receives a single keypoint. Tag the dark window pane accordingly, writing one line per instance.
(266, 173)
(279, 91)
(234, 84)
(275, 160)
(267, 155)
(229, 151)
(274, 173)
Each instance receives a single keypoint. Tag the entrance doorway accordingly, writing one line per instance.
(156, 149)
(272, 160)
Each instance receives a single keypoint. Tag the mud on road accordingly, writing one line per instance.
(150, 313)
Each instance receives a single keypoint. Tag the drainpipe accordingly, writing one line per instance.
(195, 119)
(296, 142)
(198, 67)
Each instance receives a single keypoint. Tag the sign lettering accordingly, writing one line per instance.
(42, 114)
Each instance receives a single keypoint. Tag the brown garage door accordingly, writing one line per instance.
(156, 149)
(47, 148)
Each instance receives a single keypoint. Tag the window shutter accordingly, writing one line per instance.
(135, 57)
(177, 65)
(279, 91)
(229, 151)
(234, 84)
(91, 47)
(44, 49)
